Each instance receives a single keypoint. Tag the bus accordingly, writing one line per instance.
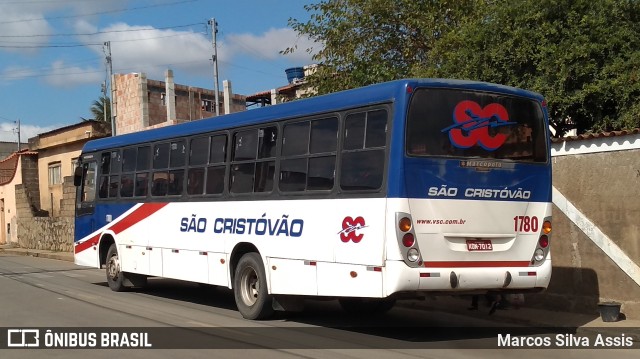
(369, 195)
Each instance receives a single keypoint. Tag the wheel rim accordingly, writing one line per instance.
(113, 268)
(249, 286)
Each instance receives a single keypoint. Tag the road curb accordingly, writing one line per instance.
(62, 256)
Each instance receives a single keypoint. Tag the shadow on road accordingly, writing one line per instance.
(401, 327)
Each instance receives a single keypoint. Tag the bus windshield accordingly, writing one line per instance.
(462, 123)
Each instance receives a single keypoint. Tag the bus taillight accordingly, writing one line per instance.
(404, 224)
(543, 241)
(408, 240)
(546, 227)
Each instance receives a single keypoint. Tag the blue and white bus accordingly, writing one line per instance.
(368, 195)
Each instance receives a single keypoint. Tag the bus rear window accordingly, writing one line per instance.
(457, 123)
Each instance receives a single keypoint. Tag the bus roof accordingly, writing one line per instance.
(378, 93)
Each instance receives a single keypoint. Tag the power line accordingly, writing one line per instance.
(99, 13)
(44, 1)
(105, 32)
(18, 77)
(47, 46)
(62, 45)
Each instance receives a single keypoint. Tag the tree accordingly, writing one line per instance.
(361, 42)
(583, 55)
(101, 111)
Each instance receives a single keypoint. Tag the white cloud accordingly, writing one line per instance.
(8, 131)
(71, 76)
(269, 44)
(23, 23)
(26, 23)
(14, 73)
(150, 50)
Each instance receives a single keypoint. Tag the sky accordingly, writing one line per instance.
(52, 53)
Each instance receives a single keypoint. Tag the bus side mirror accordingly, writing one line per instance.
(77, 176)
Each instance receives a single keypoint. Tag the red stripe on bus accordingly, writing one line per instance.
(86, 244)
(134, 217)
(463, 264)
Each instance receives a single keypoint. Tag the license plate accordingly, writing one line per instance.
(479, 245)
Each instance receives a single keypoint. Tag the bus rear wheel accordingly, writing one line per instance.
(115, 276)
(366, 306)
(250, 288)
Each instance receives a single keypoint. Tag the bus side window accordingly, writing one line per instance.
(354, 131)
(141, 185)
(363, 154)
(175, 182)
(89, 182)
(161, 156)
(126, 185)
(159, 184)
(104, 187)
(195, 181)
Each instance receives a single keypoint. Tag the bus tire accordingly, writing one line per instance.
(367, 306)
(115, 276)
(250, 288)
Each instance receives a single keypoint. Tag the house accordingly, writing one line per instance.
(58, 152)
(14, 169)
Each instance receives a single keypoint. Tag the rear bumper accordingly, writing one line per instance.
(400, 278)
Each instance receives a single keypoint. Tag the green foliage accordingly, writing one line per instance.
(101, 109)
(361, 42)
(583, 55)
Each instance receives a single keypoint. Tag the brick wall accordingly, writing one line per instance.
(31, 184)
(130, 107)
(67, 203)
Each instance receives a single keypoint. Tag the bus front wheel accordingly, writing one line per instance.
(115, 277)
(250, 288)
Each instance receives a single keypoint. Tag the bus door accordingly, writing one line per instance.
(85, 180)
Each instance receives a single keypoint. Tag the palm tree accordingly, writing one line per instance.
(101, 110)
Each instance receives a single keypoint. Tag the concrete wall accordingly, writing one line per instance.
(604, 185)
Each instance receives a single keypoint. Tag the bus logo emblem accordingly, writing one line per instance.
(472, 123)
(350, 229)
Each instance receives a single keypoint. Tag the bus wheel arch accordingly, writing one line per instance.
(105, 243)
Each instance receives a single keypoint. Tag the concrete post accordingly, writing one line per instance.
(226, 86)
(170, 98)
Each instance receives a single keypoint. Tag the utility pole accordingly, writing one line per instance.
(214, 31)
(107, 49)
(18, 129)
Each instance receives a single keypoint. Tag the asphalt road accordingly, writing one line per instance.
(48, 294)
